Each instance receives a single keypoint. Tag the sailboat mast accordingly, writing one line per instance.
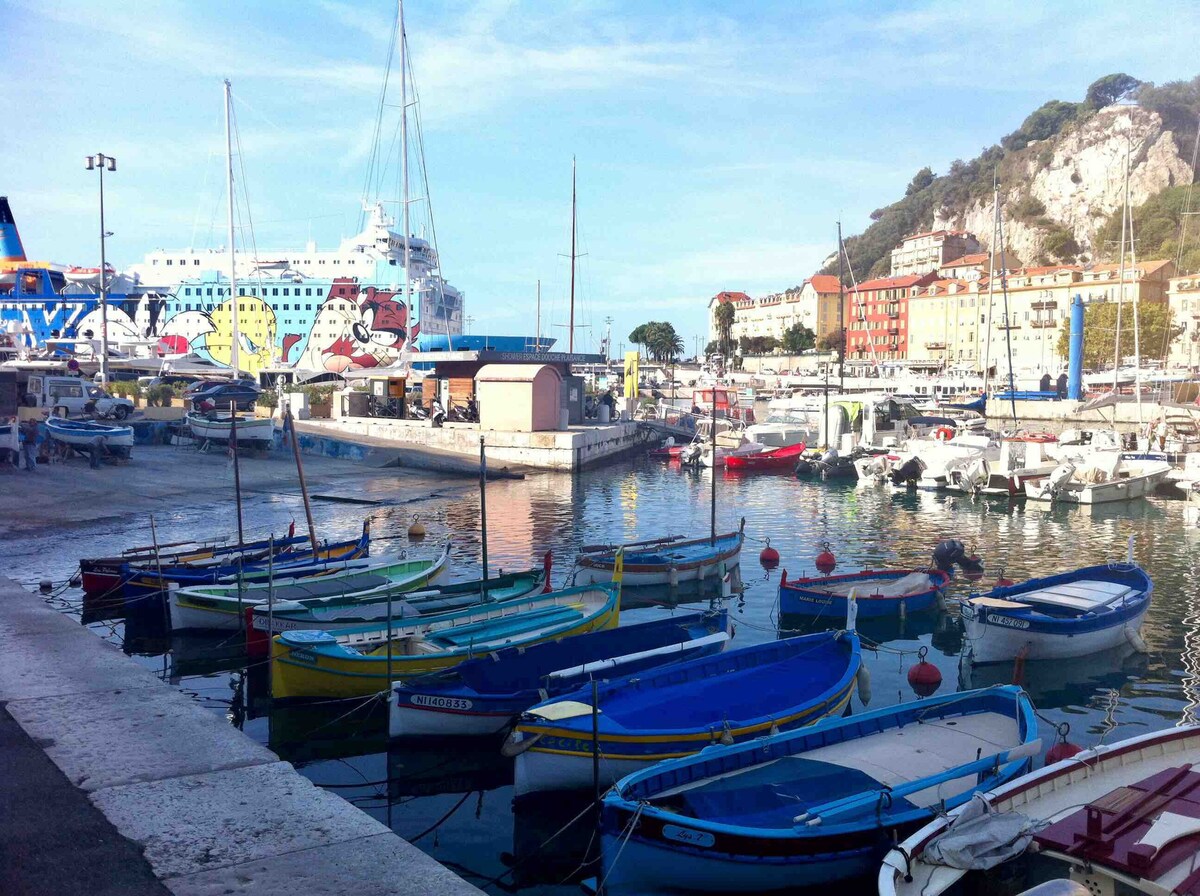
(987, 350)
(841, 331)
(234, 308)
(1012, 376)
(538, 334)
(1121, 280)
(571, 324)
(404, 159)
(1137, 344)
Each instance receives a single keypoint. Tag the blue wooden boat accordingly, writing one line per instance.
(82, 433)
(880, 593)
(147, 579)
(482, 696)
(662, 561)
(813, 806)
(675, 711)
(1057, 617)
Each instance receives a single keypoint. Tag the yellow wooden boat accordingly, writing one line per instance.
(319, 664)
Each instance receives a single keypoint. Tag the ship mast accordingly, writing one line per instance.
(404, 161)
(987, 348)
(571, 324)
(233, 302)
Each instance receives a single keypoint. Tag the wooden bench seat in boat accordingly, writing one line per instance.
(1082, 595)
(309, 589)
(519, 623)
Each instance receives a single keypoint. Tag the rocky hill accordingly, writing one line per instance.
(1061, 177)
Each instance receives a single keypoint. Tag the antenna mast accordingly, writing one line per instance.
(234, 308)
(404, 159)
(571, 325)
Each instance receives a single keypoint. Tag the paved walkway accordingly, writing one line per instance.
(112, 780)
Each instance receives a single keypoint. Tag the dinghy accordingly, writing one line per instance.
(357, 661)
(223, 606)
(305, 608)
(639, 719)
(484, 696)
(1119, 818)
(219, 429)
(1102, 478)
(663, 561)
(1067, 615)
(884, 592)
(83, 433)
(101, 576)
(768, 459)
(148, 578)
(812, 806)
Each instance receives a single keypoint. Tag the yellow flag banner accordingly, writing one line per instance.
(631, 374)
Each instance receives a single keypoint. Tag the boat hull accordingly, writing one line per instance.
(249, 430)
(694, 563)
(795, 599)
(1111, 492)
(81, 435)
(998, 644)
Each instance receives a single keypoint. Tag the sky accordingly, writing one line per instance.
(717, 143)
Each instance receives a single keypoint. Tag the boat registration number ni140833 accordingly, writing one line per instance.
(441, 702)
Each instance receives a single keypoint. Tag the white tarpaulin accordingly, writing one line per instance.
(981, 838)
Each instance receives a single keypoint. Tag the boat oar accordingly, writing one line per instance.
(592, 548)
(838, 810)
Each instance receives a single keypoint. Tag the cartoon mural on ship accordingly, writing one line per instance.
(357, 331)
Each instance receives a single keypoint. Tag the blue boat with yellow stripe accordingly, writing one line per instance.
(643, 718)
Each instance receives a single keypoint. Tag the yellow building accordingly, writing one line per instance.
(1183, 296)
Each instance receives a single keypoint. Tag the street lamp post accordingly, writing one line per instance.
(100, 162)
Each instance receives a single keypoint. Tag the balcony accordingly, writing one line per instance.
(1042, 324)
(894, 315)
(1004, 326)
(1044, 306)
(893, 331)
(935, 346)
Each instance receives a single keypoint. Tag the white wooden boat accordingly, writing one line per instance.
(249, 429)
(1057, 617)
(1102, 479)
(83, 433)
(1119, 818)
(1022, 457)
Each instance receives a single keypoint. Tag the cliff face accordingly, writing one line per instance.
(1077, 179)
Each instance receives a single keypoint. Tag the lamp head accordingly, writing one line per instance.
(91, 163)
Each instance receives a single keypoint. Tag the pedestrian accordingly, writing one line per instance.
(1062, 385)
(99, 449)
(29, 436)
(1160, 431)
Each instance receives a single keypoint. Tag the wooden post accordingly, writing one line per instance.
(312, 530)
(270, 613)
(483, 513)
(237, 473)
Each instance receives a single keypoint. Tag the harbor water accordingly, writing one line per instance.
(454, 800)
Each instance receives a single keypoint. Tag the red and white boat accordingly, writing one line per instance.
(1115, 819)
(766, 460)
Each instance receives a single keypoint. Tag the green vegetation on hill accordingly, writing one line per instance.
(1177, 103)
(1156, 229)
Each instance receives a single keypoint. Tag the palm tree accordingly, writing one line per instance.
(724, 319)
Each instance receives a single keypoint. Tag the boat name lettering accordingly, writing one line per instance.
(1009, 622)
(303, 656)
(687, 835)
(441, 702)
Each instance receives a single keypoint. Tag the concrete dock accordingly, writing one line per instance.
(149, 793)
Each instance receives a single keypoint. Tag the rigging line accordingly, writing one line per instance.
(257, 272)
(377, 133)
(862, 309)
(1187, 202)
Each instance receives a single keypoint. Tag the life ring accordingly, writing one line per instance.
(1038, 437)
(943, 433)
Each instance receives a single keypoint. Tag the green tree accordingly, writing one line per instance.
(710, 347)
(1111, 88)
(725, 314)
(663, 344)
(798, 338)
(1044, 122)
(1156, 224)
(920, 181)
(833, 341)
(1157, 332)
(640, 335)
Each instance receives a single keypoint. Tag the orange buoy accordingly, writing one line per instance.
(924, 678)
(826, 562)
(768, 556)
(417, 529)
(1064, 749)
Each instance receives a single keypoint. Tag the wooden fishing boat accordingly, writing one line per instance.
(484, 696)
(223, 606)
(1104, 478)
(333, 612)
(83, 433)
(357, 661)
(768, 459)
(812, 806)
(640, 719)
(1119, 818)
(883, 592)
(219, 429)
(1067, 615)
(101, 576)
(148, 579)
(662, 561)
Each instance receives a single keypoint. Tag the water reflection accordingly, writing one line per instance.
(458, 796)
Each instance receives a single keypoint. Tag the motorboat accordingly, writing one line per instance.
(1103, 478)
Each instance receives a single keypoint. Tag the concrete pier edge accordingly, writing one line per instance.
(213, 811)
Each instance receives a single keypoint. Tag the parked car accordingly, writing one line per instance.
(76, 395)
(242, 393)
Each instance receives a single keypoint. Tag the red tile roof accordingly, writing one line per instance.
(723, 297)
(967, 261)
(824, 282)
(1146, 267)
(900, 282)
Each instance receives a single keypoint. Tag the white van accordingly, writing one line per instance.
(75, 395)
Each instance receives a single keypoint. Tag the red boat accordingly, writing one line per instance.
(667, 452)
(771, 459)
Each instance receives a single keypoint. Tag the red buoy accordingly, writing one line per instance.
(826, 562)
(924, 678)
(1064, 749)
(1002, 582)
(768, 556)
(973, 568)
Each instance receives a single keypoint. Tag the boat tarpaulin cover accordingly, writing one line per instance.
(981, 838)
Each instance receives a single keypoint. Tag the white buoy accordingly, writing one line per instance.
(673, 577)
(863, 679)
(1136, 640)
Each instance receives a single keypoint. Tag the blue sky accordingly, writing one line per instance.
(717, 143)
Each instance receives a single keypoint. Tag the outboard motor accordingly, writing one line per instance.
(907, 473)
(947, 553)
(804, 468)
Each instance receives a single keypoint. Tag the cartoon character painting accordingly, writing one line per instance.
(256, 333)
(358, 331)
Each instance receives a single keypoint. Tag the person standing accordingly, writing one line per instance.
(29, 436)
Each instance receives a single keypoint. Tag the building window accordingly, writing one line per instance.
(168, 261)
(196, 262)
